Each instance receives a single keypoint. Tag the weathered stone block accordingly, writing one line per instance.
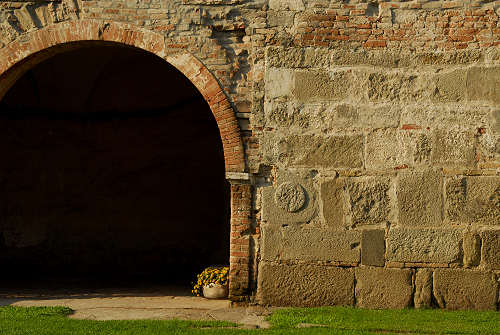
(369, 199)
(350, 116)
(492, 56)
(316, 57)
(280, 18)
(284, 57)
(393, 86)
(429, 245)
(473, 200)
(496, 121)
(423, 288)
(472, 249)
(419, 198)
(373, 247)
(465, 289)
(270, 242)
(296, 57)
(318, 151)
(490, 249)
(362, 57)
(278, 82)
(394, 59)
(383, 288)
(332, 199)
(393, 148)
(322, 86)
(304, 285)
(483, 83)
(450, 86)
(453, 148)
(454, 58)
(295, 5)
(446, 117)
(284, 115)
(316, 244)
(291, 200)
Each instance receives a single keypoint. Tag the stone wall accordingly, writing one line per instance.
(371, 132)
(379, 126)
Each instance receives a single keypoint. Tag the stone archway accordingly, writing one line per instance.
(33, 48)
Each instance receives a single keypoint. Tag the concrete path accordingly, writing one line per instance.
(163, 304)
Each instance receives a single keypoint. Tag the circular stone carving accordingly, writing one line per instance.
(290, 197)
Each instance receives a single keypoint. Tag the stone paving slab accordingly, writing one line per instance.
(122, 306)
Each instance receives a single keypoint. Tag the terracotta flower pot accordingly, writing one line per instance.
(215, 291)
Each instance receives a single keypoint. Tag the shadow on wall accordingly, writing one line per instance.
(113, 167)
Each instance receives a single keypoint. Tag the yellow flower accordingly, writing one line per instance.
(217, 275)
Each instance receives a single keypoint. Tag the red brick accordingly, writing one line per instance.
(410, 127)
(375, 44)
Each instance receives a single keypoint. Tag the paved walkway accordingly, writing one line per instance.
(123, 304)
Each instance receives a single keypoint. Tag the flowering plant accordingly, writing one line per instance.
(209, 276)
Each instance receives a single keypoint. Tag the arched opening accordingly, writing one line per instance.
(113, 168)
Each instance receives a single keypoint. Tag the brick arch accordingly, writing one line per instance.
(51, 39)
(32, 48)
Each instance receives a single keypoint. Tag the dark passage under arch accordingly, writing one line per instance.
(112, 168)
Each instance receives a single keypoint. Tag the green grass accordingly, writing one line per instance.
(425, 321)
(54, 321)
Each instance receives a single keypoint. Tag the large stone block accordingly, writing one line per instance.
(423, 288)
(450, 86)
(445, 117)
(490, 249)
(382, 58)
(270, 242)
(392, 148)
(296, 243)
(453, 148)
(393, 86)
(286, 115)
(322, 86)
(295, 5)
(350, 116)
(295, 117)
(394, 59)
(383, 288)
(280, 18)
(296, 57)
(465, 289)
(319, 151)
(279, 82)
(284, 57)
(483, 83)
(488, 149)
(292, 199)
(496, 121)
(419, 198)
(369, 199)
(373, 247)
(473, 200)
(472, 249)
(304, 285)
(301, 243)
(426, 245)
(447, 57)
(332, 200)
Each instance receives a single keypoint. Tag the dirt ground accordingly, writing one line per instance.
(161, 303)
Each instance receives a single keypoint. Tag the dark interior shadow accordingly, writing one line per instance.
(112, 176)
